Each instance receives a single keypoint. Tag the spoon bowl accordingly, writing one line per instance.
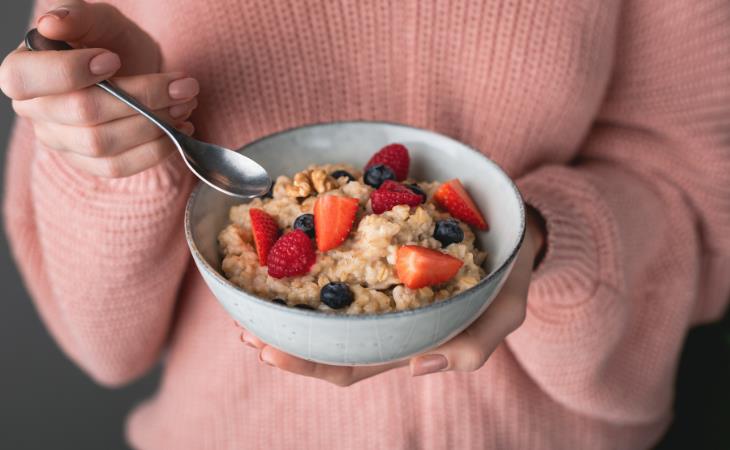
(225, 170)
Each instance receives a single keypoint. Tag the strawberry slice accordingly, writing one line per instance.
(452, 196)
(419, 267)
(265, 232)
(394, 156)
(390, 194)
(333, 220)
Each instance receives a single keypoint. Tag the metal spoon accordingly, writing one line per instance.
(223, 169)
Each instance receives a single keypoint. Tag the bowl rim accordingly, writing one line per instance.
(370, 316)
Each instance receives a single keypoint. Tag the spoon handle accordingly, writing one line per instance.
(36, 41)
(134, 104)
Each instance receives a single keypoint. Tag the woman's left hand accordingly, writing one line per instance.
(468, 351)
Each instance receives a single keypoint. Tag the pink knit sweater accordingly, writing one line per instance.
(614, 116)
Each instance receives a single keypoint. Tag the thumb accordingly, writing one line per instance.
(102, 25)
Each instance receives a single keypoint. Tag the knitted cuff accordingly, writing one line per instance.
(580, 235)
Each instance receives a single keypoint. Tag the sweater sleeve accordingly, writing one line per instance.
(102, 258)
(639, 225)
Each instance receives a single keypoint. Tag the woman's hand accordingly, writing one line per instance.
(89, 128)
(466, 352)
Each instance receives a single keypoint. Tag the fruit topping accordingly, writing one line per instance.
(419, 267)
(265, 232)
(417, 190)
(292, 255)
(305, 222)
(452, 196)
(448, 232)
(390, 194)
(394, 156)
(376, 175)
(336, 295)
(333, 219)
(337, 174)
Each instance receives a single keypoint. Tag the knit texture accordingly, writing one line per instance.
(614, 117)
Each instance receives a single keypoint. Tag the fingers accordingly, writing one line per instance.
(25, 74)
(338, 375)
(251, 340)
(110, 138)
(78, 21)
(103, 26)
(104, 38)
(93, 106)
(470, 349)
(130, 162)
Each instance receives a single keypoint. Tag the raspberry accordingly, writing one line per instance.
(394, 156)
(292, 255)
(390, 194)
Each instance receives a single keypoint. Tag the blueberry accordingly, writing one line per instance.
(342, 173)
(303, 306)
(336, 295)
(280, 301)
(418, 191)
(376, 175)
(448, 232)
(269, 193)
(305, 222)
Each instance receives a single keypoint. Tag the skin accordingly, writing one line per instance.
(91, 130)
(467, 352)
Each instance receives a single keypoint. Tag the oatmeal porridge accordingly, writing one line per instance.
(335, 238)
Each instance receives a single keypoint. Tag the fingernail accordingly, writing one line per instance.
(179, 111)
(243, 339)
(58, 13)
(187, 128)
(105, 63)
(264, 358)
(246, 338)
(428, 364)
(184, 88)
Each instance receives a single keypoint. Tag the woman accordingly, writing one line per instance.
(614, 117)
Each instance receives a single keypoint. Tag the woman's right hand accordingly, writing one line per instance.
(89, 128)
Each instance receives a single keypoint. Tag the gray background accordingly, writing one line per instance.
(46, 402)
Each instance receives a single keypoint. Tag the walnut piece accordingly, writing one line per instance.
(300, 187)
(308, 181)
(322, 181)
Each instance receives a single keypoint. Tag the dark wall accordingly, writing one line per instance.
(46, 402)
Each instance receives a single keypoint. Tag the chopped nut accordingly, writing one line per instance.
(307, 205)
(307, 182)
(322, 181)
(280, 187)
(300, 187)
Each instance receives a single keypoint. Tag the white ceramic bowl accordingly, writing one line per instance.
(363, 339)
